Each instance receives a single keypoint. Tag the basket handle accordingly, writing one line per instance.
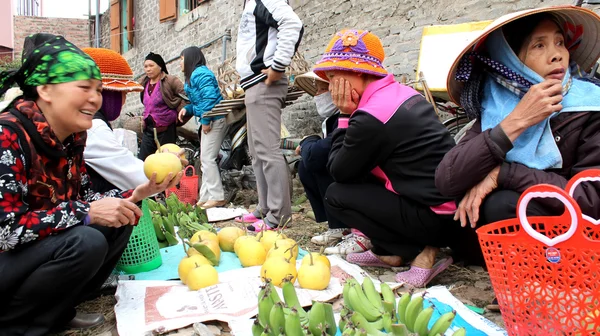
(548, 191)
(589, 175)
(189, 167)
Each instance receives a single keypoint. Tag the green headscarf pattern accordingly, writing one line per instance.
(53, 61)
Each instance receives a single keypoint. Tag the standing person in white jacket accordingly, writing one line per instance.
(268, 36)
(110, 165)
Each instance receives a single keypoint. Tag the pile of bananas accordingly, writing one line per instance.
(366, 312)
(276, 317)
(187, 218)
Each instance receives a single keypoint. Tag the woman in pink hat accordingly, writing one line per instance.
(384, 153)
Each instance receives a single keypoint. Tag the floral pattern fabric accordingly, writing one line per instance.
(48, 194)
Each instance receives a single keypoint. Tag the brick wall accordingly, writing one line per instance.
(398, 23)
(74, 30)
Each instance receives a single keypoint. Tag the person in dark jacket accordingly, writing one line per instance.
(314, 175)
(162, 102)
(384, 153)
(203, 92)
(536, 120)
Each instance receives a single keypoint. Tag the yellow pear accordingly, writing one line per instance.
(314, 275)
(278, 269)
(251, 253)
(267, 238)
(203, 235)
(162, 164)
(317, 258)
(282, 249)
(188, 263)
(171, 147)
(240, 240)
(228, 236)
(201, 277)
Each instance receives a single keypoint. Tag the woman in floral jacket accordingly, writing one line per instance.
(59, 240)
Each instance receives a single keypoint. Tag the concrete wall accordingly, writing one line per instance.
(398, 23)
(74, 30)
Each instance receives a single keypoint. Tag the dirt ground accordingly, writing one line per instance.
(470, 284)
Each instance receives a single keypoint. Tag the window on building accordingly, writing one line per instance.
(121, 25)
(186, 6)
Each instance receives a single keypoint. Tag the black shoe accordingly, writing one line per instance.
(85, 321)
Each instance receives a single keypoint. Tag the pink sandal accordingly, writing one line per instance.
(247, 218)
(260, 226)
(419, 277)
(366, 258)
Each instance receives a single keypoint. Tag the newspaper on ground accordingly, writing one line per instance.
(144, 307)
(223, 214)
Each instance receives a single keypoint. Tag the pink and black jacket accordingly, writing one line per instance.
(396, 136)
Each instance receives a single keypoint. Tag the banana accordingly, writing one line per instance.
(361, 332)
(399, 330)
(402, 304)
(266, 332)
(343, 322)
(277, 318)
(274, 295)
(361, 304)
(348, 332)
(412, 311)
(292, 324)
(162, 209)
(387, 293)
(265, 304)
(442, 324)
(257, 329)
(371, 293)
(423, 321)
(387, 322)
(316, 318)
(361, 323)
(377, 324)
(329, 319)
(158, 229)
(460, 332)
(291, 297)
(389, 307)
(171, 239)
(168, 225)
(345, 291)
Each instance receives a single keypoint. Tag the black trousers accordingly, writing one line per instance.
(396, 225)
(41, 283)
(499, 205)
(148, 146)
(315, 183)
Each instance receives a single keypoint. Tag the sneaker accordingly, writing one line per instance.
(351, 243)
(330, 237)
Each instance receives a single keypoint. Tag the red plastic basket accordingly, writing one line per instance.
(188, 187)
(545, 271)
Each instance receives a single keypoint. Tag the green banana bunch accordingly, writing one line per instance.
(422, 321)
(442, 324)
(415, 306)
(359, 302)
(372, 294)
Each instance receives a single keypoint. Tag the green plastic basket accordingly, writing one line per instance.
(142, 253)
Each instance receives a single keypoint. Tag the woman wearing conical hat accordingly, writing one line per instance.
(524, 81)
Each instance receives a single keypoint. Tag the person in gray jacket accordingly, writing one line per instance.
(268, 36)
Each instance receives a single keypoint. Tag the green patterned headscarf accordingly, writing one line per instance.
(53, 60)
